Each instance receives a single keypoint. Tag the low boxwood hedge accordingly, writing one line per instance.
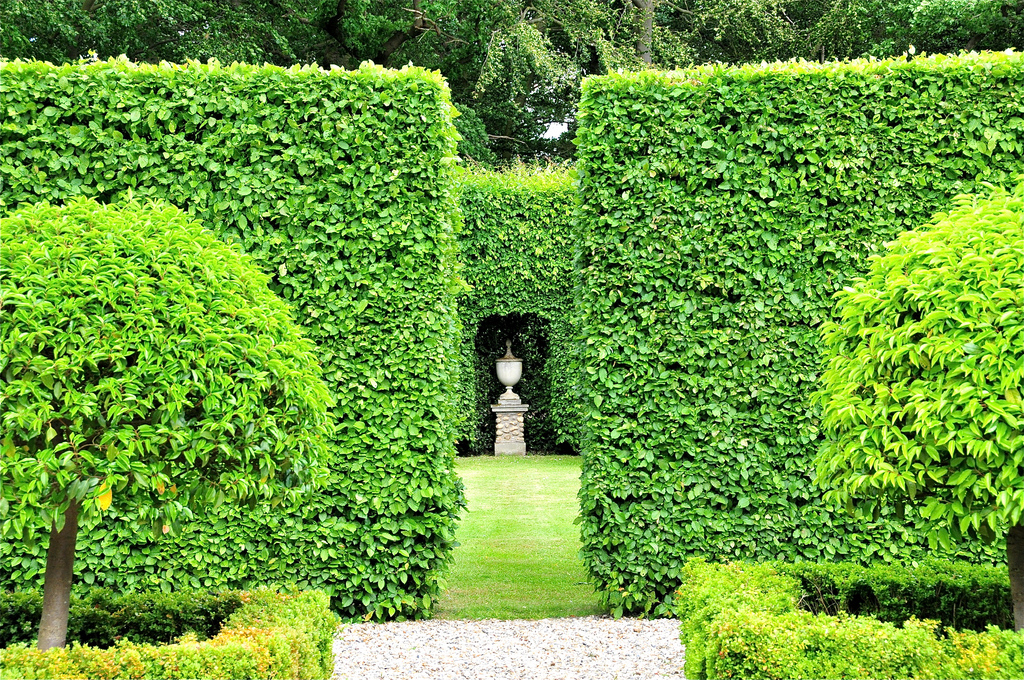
(959, 595)
(744, 620)
(100, 617)
(746, 643)
(272, 635)
(709, 589)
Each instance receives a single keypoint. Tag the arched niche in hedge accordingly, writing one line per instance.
(531, 337)
(518, 256)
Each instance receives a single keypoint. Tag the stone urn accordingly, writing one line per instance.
(510, 370)
(509, 438)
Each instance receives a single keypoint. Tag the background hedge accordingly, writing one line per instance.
(720, 208)
(340, 184)
(517, 248)
(958, 595)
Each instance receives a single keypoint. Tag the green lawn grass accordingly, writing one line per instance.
(518, 553)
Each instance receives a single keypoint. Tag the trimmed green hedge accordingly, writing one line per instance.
(271, 636)
(341, 186)
(720, 209)
(742, 620)
(99, 617)
(958, 595)
(517, 247)
(750, 644)
(708, 590)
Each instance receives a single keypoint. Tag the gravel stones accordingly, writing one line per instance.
(586, 648)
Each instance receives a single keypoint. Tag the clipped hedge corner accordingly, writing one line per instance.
(720, 209)
(746, 643)
(341, 187)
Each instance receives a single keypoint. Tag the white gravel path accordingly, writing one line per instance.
(586, 648)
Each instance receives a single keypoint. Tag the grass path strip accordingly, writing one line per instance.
(518, 557)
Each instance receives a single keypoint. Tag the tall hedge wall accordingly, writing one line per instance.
(720, 208)
(341, 185)
(518, 252)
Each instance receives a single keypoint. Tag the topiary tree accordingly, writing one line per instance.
(922, 392)
(144, 364)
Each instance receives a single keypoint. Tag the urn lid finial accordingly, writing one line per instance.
(508, 352)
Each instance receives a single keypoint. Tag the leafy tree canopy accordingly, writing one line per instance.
(925, 367)
(516, 63)
(146, 365)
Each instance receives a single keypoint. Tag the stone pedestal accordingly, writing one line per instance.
(509, 413)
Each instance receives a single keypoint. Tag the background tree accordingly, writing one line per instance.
(254, 31)
(517, 64)
(514, 66)
(144, 364)
(925, 370)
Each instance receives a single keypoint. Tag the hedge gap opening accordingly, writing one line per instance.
(529, 334)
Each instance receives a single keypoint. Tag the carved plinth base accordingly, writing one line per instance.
(509, 412)
(509, 448)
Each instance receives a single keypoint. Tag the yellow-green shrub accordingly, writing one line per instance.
(968, 654)
(755, 644)
(741, 620)
(746, 643)
(707, 590)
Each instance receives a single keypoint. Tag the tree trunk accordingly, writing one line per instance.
(60, 561)
(646, 39)
(392, 44)
(1015, 560)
